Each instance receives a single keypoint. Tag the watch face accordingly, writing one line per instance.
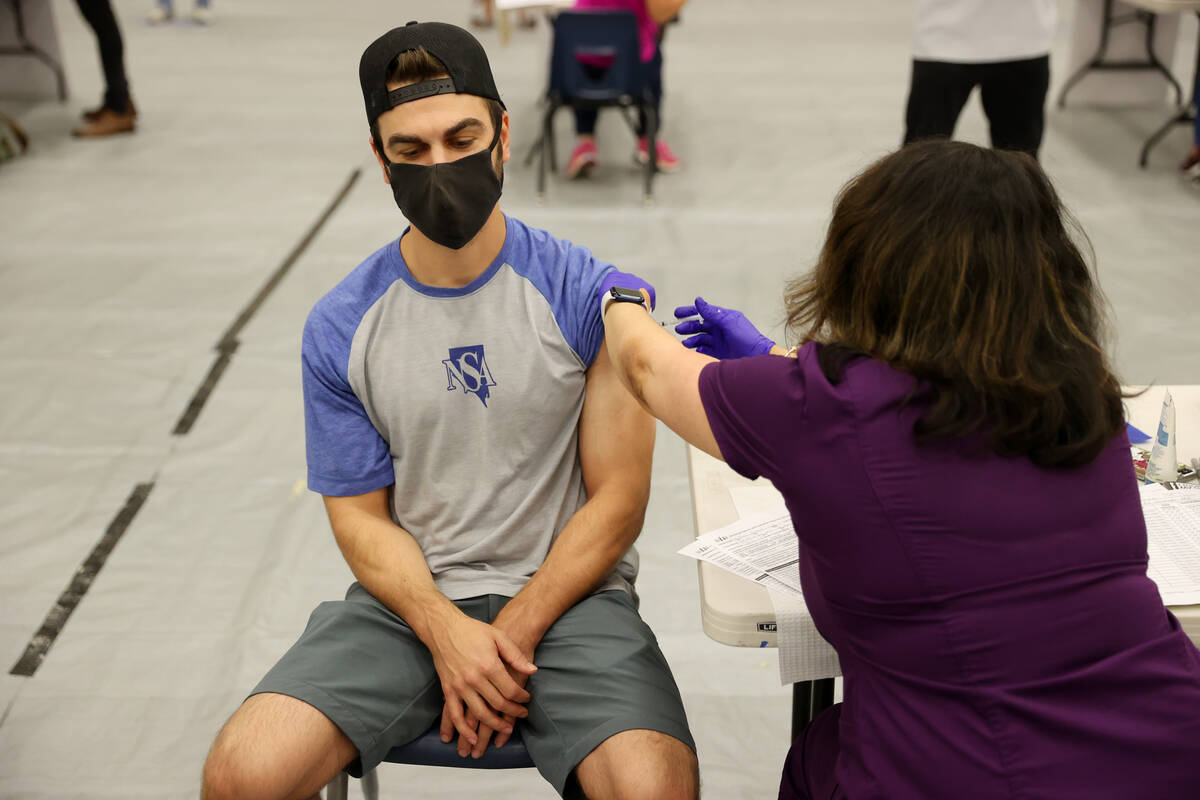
(627, 295)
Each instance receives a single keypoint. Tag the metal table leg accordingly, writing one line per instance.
(1186, 114)
(809, 698)
(1098, 62)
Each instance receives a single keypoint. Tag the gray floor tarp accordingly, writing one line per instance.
(122, 263)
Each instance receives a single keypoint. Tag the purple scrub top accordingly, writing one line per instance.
(997, 632)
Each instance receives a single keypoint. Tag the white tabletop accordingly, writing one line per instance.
(735, 610)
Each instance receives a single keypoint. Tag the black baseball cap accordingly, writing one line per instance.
(460, 52)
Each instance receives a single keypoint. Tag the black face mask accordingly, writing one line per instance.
(448, 202)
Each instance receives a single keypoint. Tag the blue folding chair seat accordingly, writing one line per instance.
(595, 63)
(429, 750)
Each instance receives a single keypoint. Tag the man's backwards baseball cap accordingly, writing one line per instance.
(458, 50)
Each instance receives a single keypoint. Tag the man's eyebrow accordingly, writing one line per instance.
(457, 128)
(469, 122)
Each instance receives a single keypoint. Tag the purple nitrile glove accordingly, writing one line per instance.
(720, 332)
(623, 280)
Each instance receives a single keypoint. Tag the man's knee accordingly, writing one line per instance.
(641, 765)
(274, 747)
(228, 776)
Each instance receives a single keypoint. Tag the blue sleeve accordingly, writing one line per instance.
(580, 316)
(569, 277)
(346, 454)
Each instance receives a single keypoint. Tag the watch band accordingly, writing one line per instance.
(618, 294)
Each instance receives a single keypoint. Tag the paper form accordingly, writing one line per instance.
(762, 548)
(1173, 541)
(715, 554)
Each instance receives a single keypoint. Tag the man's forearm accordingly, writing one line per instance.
(388, 562)
(616, 448)
(591, 544)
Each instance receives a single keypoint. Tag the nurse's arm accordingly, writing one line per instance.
(662, 374)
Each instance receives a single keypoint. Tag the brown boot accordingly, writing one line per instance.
(93, 114)
(106, 123)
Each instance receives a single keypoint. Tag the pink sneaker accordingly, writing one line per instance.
(582, 159)
(667, 160)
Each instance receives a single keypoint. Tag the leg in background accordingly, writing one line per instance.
(163, 11)
(638, 764)
(275, 747)
(1014, 99)
(117, 113)
(99, 15)
(666, 159)
(486, 17)
(937, 93)
(583, 157)
(654, 84)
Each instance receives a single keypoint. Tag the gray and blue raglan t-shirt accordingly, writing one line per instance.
(465, 401)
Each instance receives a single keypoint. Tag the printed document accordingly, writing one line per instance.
(1173, 539)
(762, 547)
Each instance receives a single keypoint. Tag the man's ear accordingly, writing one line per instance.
(505, 150)
(387, 178)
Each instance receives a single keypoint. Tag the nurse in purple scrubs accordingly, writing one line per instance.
(948, 437)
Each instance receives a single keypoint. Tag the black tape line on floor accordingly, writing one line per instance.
(228, 344)
(39, 644)
(196, 404)
(36, 650)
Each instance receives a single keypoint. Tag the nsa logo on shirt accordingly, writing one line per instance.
(468, 368)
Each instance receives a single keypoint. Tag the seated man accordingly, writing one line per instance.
(485, 475)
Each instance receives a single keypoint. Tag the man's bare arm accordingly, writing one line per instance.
(616, 446)
(469, 655)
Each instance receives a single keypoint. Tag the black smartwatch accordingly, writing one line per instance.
(618, 295)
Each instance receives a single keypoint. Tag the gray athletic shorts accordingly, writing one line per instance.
(600, 672)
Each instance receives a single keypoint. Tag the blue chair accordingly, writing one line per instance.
(596, 63)
(429, 750)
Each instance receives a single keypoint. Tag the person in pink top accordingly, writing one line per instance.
(650, 15)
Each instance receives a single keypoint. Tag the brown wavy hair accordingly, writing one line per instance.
(958, 265)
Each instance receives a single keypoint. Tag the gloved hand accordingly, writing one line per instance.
(624, 280)
(720, 332)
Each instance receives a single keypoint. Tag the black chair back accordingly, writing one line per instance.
(596, 58)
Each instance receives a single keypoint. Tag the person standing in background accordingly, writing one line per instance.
(1003, 48)
(651, 15)
(117, 113)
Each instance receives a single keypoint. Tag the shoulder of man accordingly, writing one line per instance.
(568, 276)
(337, 315)
(536, 250)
